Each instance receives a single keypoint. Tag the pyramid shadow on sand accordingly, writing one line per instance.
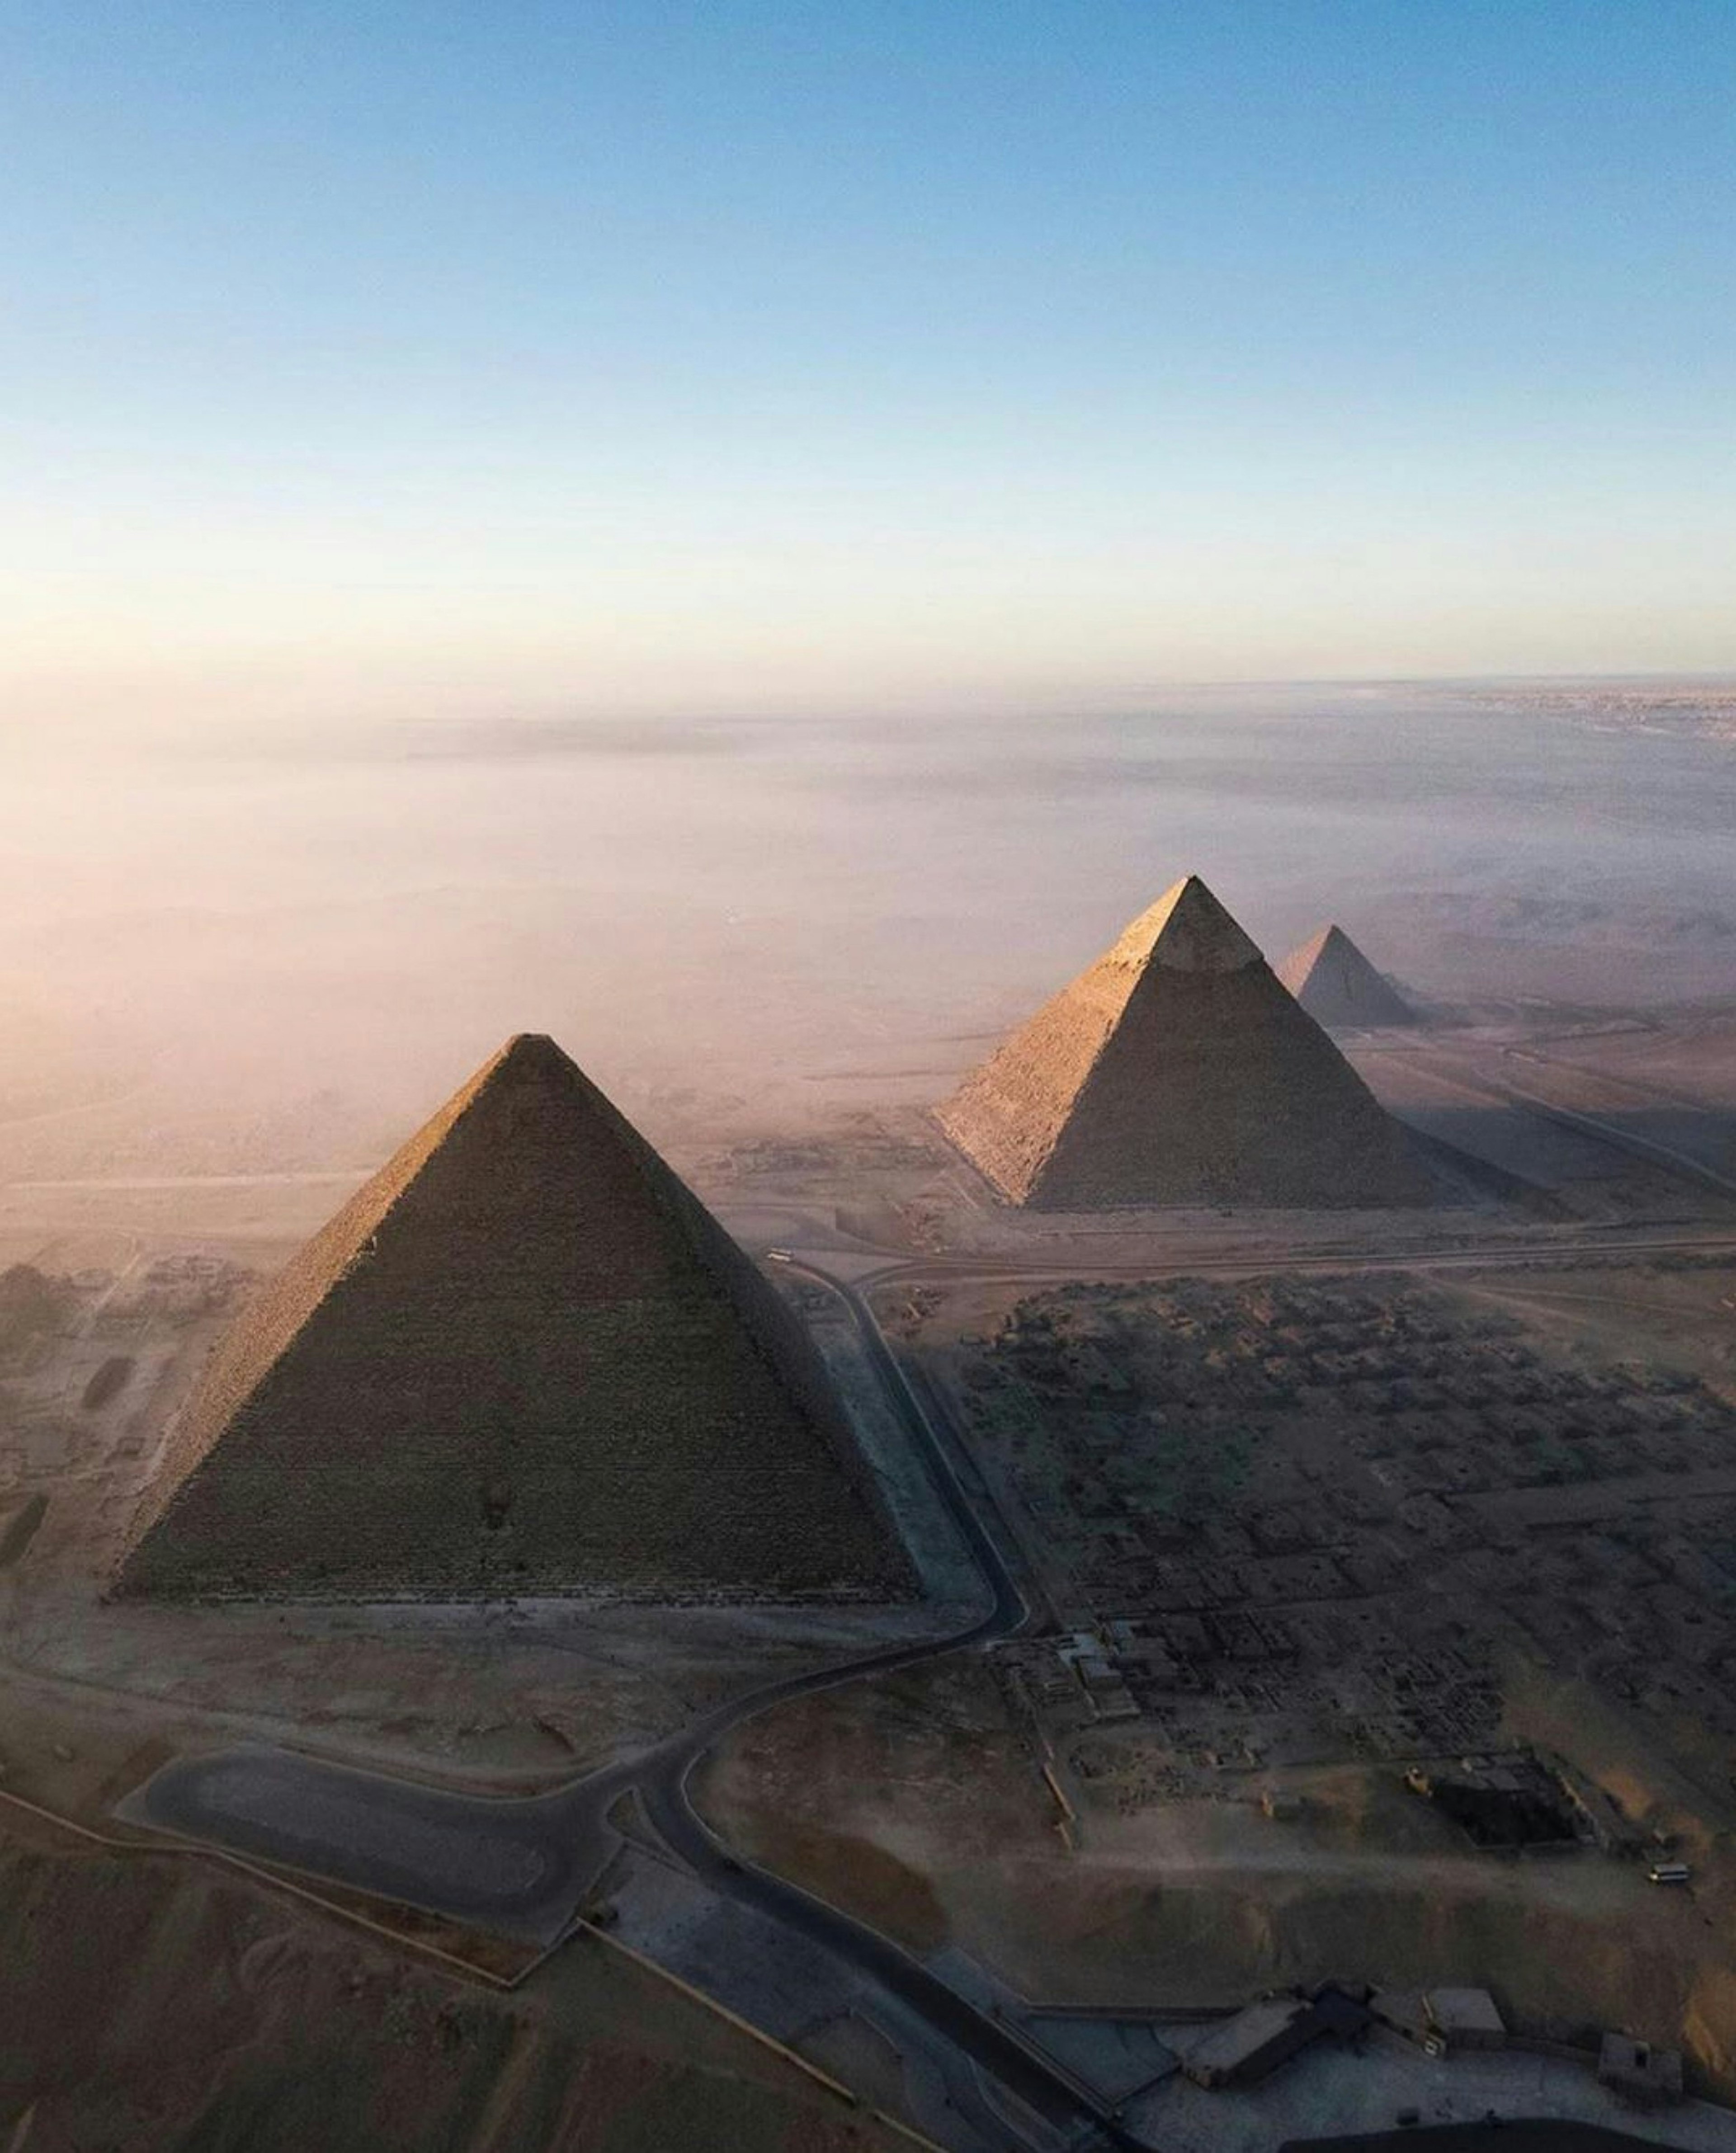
(1177, 1070)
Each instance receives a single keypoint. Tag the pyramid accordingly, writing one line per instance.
(1176, 1069)
(1337, 985)
(523, 1359)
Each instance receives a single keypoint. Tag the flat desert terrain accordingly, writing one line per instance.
(1379, 1564)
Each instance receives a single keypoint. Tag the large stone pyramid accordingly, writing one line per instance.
(1339, 988)
(523, 1359)
(1176, 1069)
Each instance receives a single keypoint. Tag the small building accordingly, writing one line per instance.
(1401, 2011)
(1253, 2044)
(1112, 1699)
(1647, 2076)
(1464, 2018)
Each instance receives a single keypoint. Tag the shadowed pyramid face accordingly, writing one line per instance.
(1177, 1070)
(523, 1359)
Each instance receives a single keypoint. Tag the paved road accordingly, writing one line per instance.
(1678, 1161)
(522, 1866)
(1589, 1241)
(513, 1864)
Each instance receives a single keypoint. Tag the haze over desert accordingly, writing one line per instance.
(867, 1079)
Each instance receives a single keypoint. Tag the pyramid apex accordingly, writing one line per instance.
(1337, 985)
(523, 1358)
(1186, 930)
(526, 1053)
(1177, 1070)
(1331, 936)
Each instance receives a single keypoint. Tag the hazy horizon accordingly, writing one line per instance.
(755, 540)
(283, 951)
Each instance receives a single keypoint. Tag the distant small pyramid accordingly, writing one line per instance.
(1339, 988)
(1176, 1071)
(523, 1359)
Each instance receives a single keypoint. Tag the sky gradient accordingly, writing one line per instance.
(643, 357)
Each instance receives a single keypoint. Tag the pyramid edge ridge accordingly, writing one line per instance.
(157, 1499)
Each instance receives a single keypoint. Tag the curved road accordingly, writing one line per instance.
(522, 1865)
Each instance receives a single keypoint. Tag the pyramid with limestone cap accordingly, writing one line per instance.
(1177, 1070)
(1339, 988)
(523, 1359)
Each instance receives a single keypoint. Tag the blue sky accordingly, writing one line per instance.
(655, 356)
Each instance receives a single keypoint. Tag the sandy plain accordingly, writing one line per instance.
(784, 1046)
